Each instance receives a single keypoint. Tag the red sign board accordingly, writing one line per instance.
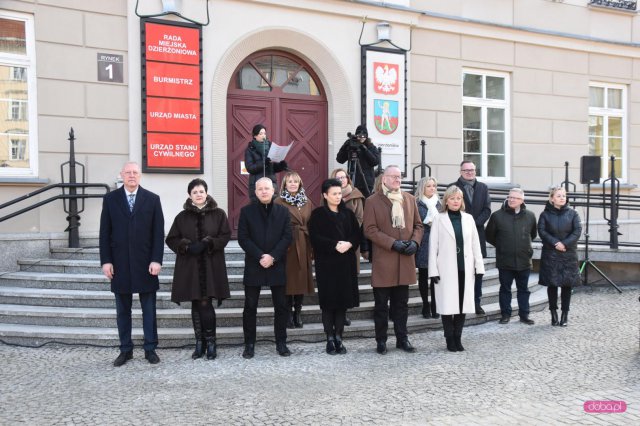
(172, 43)
(172, 97)
(165, 150)
(172, 80)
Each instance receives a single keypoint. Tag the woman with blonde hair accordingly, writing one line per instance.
(455, 260)
(559, 228)
(428, 206)
(299, 277)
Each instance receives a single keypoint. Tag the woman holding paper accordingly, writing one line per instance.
(257, 162)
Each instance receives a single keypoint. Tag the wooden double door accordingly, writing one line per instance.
(287, 119)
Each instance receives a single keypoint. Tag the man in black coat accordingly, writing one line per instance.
(131, 250)
(367, 156)
(510, 230)
(264, 233)
(477, 202)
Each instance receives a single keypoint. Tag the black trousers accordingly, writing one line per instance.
(399, 297)
(279, 299)
(333, 321)
(149, 323)
(565, 297)
(423, 286)
(452, 325)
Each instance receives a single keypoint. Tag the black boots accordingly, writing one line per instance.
(290, 312)
(297, 319)
(564, 318)
(197, 330)
(451, 345)
(554, 317)
(331, 345)
(458, 342)
(339, 346)
(211, 347)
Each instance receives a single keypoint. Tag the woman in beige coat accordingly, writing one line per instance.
(299, 254)
(455, 259)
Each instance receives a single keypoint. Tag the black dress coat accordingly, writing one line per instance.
(557, 268)
(254, 162)
(132, 240)
(264, 229)
(204, 275)
(336, 273)
(479, 208)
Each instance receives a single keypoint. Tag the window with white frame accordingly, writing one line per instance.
(18, 134)
(608, 127)
(485, 123)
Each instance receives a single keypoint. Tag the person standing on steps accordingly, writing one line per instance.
(559, 228)
(429, 206)
(335, 234)
(478, 203)
(455, 263)
(257, 161)
(131, 251)
(392, 223)
(198, 236)
(299, 275)
(264, 233)
(511, 230)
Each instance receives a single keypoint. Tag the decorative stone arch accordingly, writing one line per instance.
(339, 95)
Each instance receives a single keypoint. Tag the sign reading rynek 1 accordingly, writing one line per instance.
(171, 97)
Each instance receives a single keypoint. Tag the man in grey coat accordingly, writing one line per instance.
(510, 230)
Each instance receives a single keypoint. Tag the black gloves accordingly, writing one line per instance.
(196, 248)
(284, 165)
(411, 247)
(435, 280)
(267, 161)
(399, 246)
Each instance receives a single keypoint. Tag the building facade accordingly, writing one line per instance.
(519, 87)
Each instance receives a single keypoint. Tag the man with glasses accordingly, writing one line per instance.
(477, 202)
(510, 230)
(392, 223)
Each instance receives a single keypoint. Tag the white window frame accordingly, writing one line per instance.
(484, 104)
(27, 61)
(606, 113)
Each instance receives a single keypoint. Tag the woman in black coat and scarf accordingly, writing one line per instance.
(198, 236)
(257, 162)
(559, 228)
(335, 236)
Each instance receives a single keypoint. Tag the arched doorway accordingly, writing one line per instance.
(280, 91)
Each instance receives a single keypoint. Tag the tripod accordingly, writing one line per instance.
(587, 262)
(355, 169)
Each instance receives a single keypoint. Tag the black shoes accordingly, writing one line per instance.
(123, 358)
(435, 315)
(505, 319)
(381, 348)
(406, 346)
(479, 310)
(152, 357)
(347, 321)
(212, 351)
(249, 351)
(526, 320)
(290, 319)
(339, 346)
(564, 319)
(282, 349)
(331, 345)
(554, 317)
(451, 345)
(297, 318)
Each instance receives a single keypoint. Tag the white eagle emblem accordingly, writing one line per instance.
(386, 78)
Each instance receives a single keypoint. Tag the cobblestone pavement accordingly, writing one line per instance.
(509, 374)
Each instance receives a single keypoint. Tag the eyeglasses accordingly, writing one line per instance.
(468, 170)
(394, 177)
(341, 177)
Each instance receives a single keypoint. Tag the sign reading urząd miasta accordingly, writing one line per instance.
(171, 97)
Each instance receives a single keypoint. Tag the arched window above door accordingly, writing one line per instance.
(275, 73)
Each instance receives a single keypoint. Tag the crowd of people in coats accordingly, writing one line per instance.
(285, 237)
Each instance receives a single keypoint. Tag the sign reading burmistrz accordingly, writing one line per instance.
(110, 68)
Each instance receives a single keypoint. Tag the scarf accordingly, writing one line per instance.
(432, 207)
(397, 213)
(346, 191)
(469, 187)
(298, 200)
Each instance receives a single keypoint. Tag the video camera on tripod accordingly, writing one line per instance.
(354, 140)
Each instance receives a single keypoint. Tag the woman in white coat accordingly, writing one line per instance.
(455, 259)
